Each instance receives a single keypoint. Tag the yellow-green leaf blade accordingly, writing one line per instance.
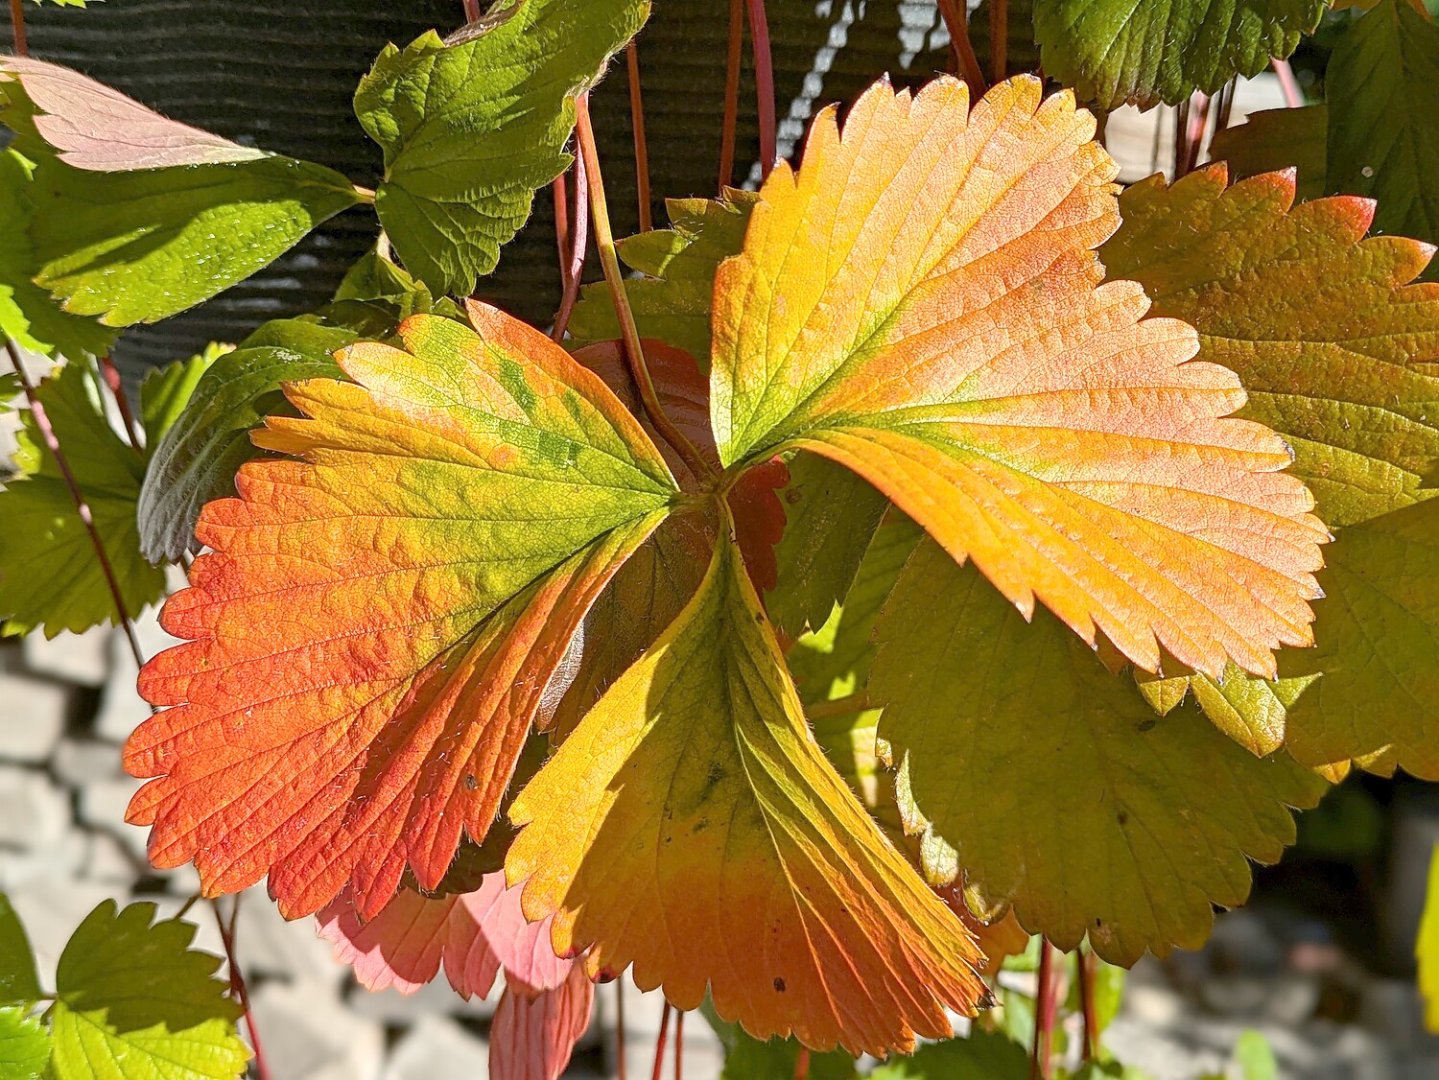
(1052, 785)
(694, 796)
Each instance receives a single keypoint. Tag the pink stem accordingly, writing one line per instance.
(237, 984)
(1288, 84)
(579, 236)
(764, 86)
(731, 93)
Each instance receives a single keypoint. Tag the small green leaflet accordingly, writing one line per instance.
(981, 1054)
(1383, 89)
(135, 1002)
(1274, 139)
(197, 458)
(19, 984)
(472, 127)
(28, 314)
(129, 242)
(1148, 51)
(672, 301)
(24, 1046)
(51, 578)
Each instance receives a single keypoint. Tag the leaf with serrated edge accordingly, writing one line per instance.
(49, 575)
(1382, 85)
(24, 1046)
(533, 1034)
(374, 629)
(1377, 650)
(921, 302)
(471, 128)
(136, 1002)
(94, 127)
(1051, 782)
(1148, 51)
(19, 983)
(690, 826)
(1273, 139)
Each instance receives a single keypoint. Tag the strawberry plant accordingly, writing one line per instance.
(931, 556)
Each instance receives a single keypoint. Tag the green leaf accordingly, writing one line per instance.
(1377, 648)
(1148, 51)
(1255, 1058)
(830, 517)
(135, 1002)
(28, 313)
(1052, 783)
(982, 1055)
(1383, 89)
(1252, 712)
(19, 983)
(1426, 946)
(748, 1058)
(51, 577)
(672, 301)
(24, 1046)
(471, 129)
(1273, 139)
(196, 459)
(166, 391)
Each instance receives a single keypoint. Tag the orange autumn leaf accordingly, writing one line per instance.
(691, 826)
(921, 302)
(378, 620)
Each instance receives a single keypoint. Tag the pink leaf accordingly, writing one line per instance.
(534, 1033)
(473, 935)
(100, 129)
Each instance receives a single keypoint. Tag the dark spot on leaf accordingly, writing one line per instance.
(471, 784)
(1146, 725)
(1123, 817)
(779, 986)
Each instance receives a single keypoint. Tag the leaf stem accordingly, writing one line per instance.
(731, 93)
(620, 1028)
(1084, 971)
(956, 21)
(801, 1064)
(637, 131)
(764, 86)
(117, 390)
(998, 39)
(237, 983)
(679, 1043)
(364, 194)
(1045, 1001)
(660, 1042)
(1288, 85)
(614, 278)
(82, 508)
(1226, 104)
(572, 264)
(472, 11)
(851, 703)
(17, 28)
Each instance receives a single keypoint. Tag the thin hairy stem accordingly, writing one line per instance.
(660, 1042)
(122, 402)
(17, 28)
(82, 508)
(572, 267)
(637, 131)
(472, 10)
(1194, 135)
(998, 39)
(1084, 965)
(801, 1064)
(731, 92)
(764, 85)
(1226, 104)
(956, 22)
(620, 1028)
(1181, 138)
(237, 983)
(1288, 84)
(679, 1043)
(609, 260)
(1045, 1009)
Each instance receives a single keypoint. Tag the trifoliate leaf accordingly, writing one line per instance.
(830, 517)
(196, 459)
(51, 577)
(135, 1002)
(28, 313)
(24, 1046)
(1333, 343)
(693, 793)
(1147, 51)
(1377, 652)
(137, 243)
(672, 301)
(921, 302)
(1052, 786)
(377, 623)
(1275, 139)
(19, 983)
(1383, 88)
(984, 1055)
(471, 129)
